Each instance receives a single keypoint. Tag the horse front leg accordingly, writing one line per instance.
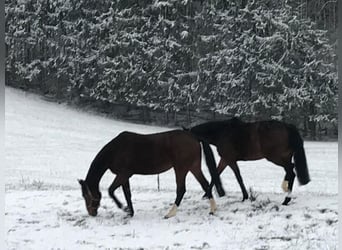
(119, 180)
(180, 180)
(197, 172)
(116, 183)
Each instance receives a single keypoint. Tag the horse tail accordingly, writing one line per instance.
(211, 163)
(297, 144)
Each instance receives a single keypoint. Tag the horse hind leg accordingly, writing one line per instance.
(236, 171)
(180, 180)
(289, 178)
(205, 186)
(288, 182)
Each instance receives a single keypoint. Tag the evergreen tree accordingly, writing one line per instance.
(256, 60)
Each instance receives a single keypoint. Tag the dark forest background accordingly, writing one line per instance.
(180, 62)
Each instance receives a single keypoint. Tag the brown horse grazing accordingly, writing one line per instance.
(131, 153)
(276, 141)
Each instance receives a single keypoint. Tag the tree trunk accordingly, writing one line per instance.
(188, 115)
(305, 122)
(312, 123)
(175, 117)
(167, 117)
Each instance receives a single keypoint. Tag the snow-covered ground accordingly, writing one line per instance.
(49, 146)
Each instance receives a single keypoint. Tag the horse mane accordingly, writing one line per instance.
(98, 166)
(210, 131)
(219, 125)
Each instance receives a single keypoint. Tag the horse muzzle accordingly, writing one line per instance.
(92, 212)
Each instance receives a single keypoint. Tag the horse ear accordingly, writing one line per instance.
(85, 187)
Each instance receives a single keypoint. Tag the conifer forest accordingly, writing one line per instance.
(180, 62)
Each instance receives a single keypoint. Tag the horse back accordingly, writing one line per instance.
(253, 140)
(274, 137)
(153, 153)
(184, 149)
(240, 141)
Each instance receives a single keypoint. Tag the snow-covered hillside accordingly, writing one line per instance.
(49, 146)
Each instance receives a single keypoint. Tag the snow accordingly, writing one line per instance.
(184, 34)
(158, 4)
(209, 38)
(49, 146)
(275, 37)
(279, 24)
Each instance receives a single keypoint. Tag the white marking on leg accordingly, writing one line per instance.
(172, 212)
(213, 206)
(285, 186)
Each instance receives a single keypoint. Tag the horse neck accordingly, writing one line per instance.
(95, 173)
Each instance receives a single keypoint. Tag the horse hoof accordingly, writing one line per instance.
(221, 192)
(286, 201)
(245, 198)
(119, 205)
(128, 216)
(205, 197)
(129, 212)
(211, 213)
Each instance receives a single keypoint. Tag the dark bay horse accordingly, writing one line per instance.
(276, 141)
(131, 153)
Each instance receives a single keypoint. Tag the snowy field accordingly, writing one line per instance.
(49, 146)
